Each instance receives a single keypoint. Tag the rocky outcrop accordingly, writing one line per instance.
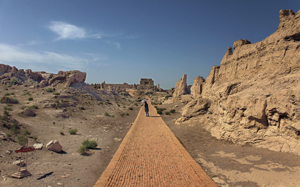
(254, 94)
(180, 88)
(197, 87)
(8, 73)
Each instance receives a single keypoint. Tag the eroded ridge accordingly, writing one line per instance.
(150, 155)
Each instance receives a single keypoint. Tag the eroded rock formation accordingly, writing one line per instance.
(254, 94)
(180, 88)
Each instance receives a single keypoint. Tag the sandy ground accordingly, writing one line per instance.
(234, 165)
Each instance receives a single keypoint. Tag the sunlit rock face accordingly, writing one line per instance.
(253, 97)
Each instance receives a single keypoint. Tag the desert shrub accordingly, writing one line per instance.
(26, 132)
(4, 117)
(122, 114)
(118, 105)
(23, 107)
(35, 138)
(49, 90)
(7, 94)
(106, 114)
(22, 140)
(12, 93)
(90, 144)
(14, 101)
(5, 112)
(56, 93)
(167, 96)
(73, 131)
(14, 128)
(82, 150)
(130, 108)
(167, 113)
(33, 107)
(57, 101)
(172, 111)
(7, 108)
(59, 105)
(127, 114)
(61, 133)
(9, 135)
(113, 116)
(13, 82)
(159, 111)
(30, 99)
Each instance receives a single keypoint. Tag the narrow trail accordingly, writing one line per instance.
(151, 155)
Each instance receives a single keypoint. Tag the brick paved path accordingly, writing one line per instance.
(150, 155)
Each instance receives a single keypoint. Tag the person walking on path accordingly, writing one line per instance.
(146, 109)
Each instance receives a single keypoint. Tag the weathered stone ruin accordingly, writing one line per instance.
(253, 97)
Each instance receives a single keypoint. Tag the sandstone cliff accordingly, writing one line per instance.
(254, 95)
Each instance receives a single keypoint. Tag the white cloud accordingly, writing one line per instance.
(67, 31)
(14, 55)
(117, 44)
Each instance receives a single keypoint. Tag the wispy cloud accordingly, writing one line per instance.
(14, 55)
(67, 31)
(116, 44)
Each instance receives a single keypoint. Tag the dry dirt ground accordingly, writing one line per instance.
(234, 165)
(227, 164)
(87, 115)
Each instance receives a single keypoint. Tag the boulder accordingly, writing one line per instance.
(54, 145)
(29, 112)
(180, 88)
(19, 163)
(3, 135)
(38, 146)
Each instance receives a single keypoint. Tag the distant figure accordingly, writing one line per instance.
(146, 109)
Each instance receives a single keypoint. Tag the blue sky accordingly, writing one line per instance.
(121, 41)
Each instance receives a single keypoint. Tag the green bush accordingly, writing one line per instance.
(56, 93)
(14, 101)
(73, 131)
(13, 82)
(172, 111)
(14, 128)
(7, 94)
(26, 132)
(130, 108)
(122, 114)
(8, 135)
(33, 107)
(30, 99)
(22, 140)
(106, 114)
(49, 90)
(82, 150)
(35, 138)
(12, 93)
(7, 108)
(127, 114)
(90, 144)
(159, 111)
(5, 112)
(167, 113)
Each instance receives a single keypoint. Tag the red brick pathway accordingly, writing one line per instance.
(150, 155)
